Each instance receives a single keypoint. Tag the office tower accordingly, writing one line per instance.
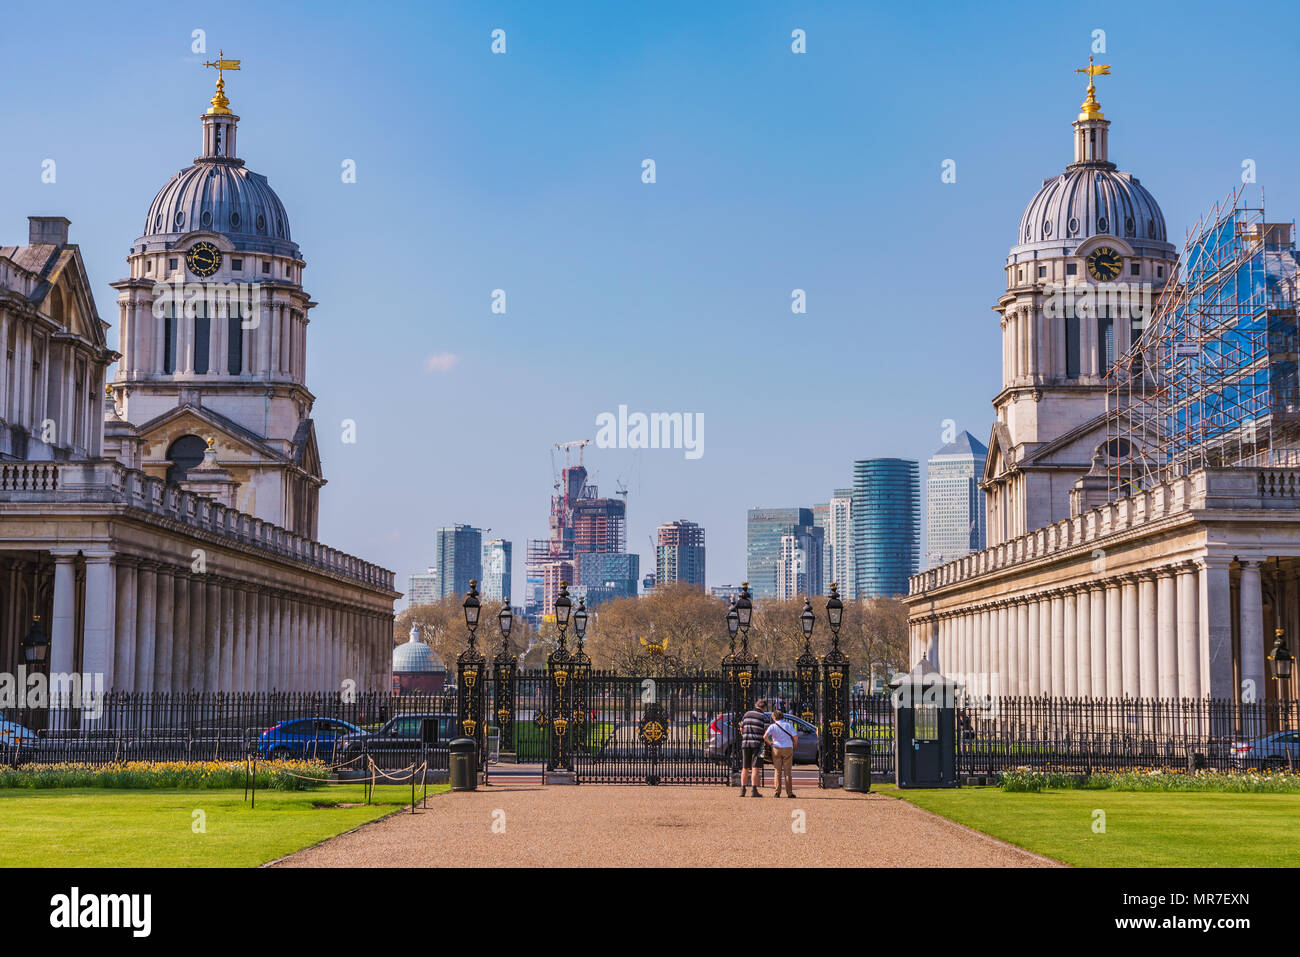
(422, 589)
(496, 570)
(799, 569)
(839, 542)
(886, 525)
(679, 555)
(605, 575)
(954, 504)
(460, 558)
(764, 530)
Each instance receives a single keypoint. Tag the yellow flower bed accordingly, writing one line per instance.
(279, 775)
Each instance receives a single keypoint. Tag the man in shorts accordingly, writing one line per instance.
(752, 727)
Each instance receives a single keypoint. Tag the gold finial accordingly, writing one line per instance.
(210, 441)
(1091, 109)
(220, 104)
(108, 389)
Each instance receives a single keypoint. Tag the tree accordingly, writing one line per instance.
(442, 628)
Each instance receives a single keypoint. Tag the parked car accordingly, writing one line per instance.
(1270, 750)
(14, 735)
(305, 739)
(721, 739)
(404, 734)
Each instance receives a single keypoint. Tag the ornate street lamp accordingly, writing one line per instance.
(1283, 660)
(559, 668)
(504, 668)
(805, 667)
(807, 620)
(835, 612)
(563, 608)
(36, 646)
(580, 621)
(835, 693)
(471, 606)
(733, 624)
(745, 612)
(469, 678)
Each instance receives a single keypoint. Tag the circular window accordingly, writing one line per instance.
(205, 218)
(1102, 224)
(180, 218)
(1047, 227)
(234, 220)
(279, 227)
(157, 223)
(1074, 225)
(261, 223)
(1128, 226)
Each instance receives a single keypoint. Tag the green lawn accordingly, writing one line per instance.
(98, 827)
(1143, 829)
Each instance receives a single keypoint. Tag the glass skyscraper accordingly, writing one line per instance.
(954, 506)
(460, 558)
(765, 527)
(496, 570)
(886, 525)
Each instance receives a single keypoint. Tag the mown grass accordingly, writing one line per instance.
(99, 827)
(1141, 829)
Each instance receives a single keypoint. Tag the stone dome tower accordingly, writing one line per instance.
(214, 329)
(1090, 259)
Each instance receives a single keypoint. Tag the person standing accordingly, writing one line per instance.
(753, 726)
(780, 734)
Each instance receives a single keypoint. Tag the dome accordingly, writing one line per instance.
(1092, 200)
(415, 657)
(220, 196)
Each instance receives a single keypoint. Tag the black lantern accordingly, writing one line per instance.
(471, 606)
(563, 605)
(744, 607)
(580, 619)
(505, 619)
(835, 607)
(1283, 660)
(36, 646)
(807, 619)
(733, 620)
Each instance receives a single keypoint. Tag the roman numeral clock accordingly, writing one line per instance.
(1104, 264)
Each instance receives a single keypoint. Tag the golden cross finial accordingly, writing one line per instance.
(1091, 108)
(219, 102)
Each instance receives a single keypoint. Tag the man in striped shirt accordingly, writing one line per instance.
(752, 728)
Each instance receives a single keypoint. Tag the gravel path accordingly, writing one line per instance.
(665, 826)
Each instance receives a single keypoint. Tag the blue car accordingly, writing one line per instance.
(305, 739)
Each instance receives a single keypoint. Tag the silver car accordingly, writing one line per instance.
(721, 738)
(1269, 750)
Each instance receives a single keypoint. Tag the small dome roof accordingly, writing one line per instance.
(1090, 200)
(415, 657)
(221, 196)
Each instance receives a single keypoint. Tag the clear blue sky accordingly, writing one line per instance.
(522, 172)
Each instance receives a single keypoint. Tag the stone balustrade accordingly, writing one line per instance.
(108, 482)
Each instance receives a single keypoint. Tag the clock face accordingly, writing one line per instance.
(203, 259)
(1104, 264)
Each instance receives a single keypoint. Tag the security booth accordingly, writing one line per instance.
(925, 729)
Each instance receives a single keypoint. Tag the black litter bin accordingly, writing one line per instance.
(857, 765)
(1196, 761)
(464, 764)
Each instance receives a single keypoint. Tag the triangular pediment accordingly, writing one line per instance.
(206, 423)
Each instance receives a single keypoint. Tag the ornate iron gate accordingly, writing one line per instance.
(651, 730)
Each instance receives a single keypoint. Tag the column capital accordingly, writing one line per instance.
(98, 556)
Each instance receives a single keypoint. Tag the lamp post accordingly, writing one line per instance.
(835, 697)
(36, 646)
(581, 671)
(559, 667)
(805, 667)
(1283, 666)
(504, 669)
(469, 678)
(739, 667)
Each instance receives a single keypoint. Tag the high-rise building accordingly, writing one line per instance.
(496, 570)
(799, 569)
(886, 525)
(822, 519)
(460, 558)
(605, 575)
(679, 555)
(839, 542)
(954, 504)
(422, 589)
(725, 592)
(764, 529)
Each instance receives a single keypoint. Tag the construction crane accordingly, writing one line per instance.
(579, 444)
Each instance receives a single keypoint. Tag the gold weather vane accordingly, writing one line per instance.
(1091, 108)
(219, 102)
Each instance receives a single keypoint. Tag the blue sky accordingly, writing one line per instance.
(522, 172)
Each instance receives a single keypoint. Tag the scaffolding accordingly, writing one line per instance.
(1211, 379)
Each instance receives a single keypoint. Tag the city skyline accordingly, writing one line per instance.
(441, 190)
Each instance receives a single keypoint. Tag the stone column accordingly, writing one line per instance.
(1083, 641)
(1129, 647)
(63, 635)
(225, 616)
(1148, 638)
(334, 643)
(98, 623)
(1167, 629)
(182, 644)
(264, 641)
(238, 636)
(127, 629)
(1189, 631)
(986, 648)
(164, 647)
(1097, 598)
(1011, 683)
(1114, 640)
(212, 642)
(1069, 666)
(199, 635)
(147, 626)
(1034, 634)
(1215, 613)
(1054, 648)
(1252, 633)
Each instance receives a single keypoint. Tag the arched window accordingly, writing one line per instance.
(185, 453)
